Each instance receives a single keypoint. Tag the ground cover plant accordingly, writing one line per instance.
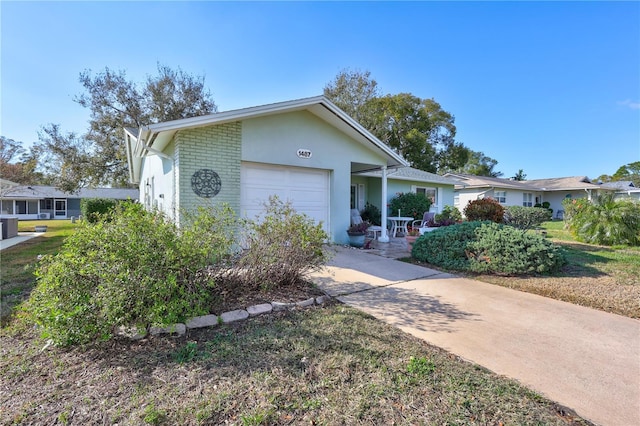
(599, 277)
(324, 365)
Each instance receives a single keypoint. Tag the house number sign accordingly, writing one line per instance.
(304, 153)
(206, 183)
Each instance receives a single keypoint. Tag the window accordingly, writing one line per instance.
(6, 207)
(431, 193)
(456, 200)
(46, 204)
(527, 199)
(21, 207)
(357, 196)
(501, 196)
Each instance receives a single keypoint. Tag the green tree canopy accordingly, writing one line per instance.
(98, 156)
(17, 164)
(418, 129)
(480, 165)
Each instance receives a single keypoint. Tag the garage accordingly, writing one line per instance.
(306, 188)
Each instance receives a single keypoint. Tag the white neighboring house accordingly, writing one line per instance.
(524, 193)
(624, 189)
(306, 151)
(29, 202)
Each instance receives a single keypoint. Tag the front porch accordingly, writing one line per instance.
(396, 248)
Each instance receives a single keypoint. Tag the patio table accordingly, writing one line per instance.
(399, 224)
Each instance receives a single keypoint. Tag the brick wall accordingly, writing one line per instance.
(218, 148)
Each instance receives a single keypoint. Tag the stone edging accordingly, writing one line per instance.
(212, 320)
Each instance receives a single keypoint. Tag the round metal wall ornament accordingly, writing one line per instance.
(206, 183)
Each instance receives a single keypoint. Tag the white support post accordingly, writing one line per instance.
(384, 237)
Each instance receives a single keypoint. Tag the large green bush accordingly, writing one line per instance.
(446, 246)
(409, 204)
(604, 220)
(484, 209)
(92, 209)
(506, 250)
(525, 218)
(281, 247)
(449, 214)
(135, 269)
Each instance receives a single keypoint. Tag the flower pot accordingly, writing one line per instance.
(356, 239)
(410, 240)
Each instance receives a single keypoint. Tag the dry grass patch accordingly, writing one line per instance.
(324, 365)
(605, 278)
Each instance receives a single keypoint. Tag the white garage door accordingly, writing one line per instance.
(307, 189)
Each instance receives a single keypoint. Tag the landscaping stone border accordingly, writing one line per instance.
(213, 320)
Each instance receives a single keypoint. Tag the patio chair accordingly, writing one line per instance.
(426, 218)
(373, 229)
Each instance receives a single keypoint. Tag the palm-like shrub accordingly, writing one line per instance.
(604, 220)
(484, 209)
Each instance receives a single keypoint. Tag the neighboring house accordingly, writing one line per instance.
(306, 151)
(523, 193)
(47, 202)
(624, 189)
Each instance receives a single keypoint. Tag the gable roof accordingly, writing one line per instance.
(473, 181)
(154, 138)
(411, 174)
(564, 183)
(38, 191)
(623, 184)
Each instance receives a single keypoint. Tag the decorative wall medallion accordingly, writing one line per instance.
(206, 183)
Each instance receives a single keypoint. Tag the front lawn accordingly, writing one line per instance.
(326, 365)
(18, 262)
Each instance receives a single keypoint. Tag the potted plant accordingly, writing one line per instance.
(411, 237)
(356, 233)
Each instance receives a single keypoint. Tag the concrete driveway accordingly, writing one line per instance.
(584, 359)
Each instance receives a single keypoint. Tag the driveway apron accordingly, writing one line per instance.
(584, 359)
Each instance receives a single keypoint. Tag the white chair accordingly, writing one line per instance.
(373, 229)
(426, 218)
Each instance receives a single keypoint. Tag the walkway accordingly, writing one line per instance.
(584, 359)
(22, 236)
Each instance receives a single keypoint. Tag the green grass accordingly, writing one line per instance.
(325, 365)
(18, 262)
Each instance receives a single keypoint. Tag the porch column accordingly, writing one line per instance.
(384, 238)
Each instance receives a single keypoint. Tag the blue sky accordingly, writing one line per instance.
(552, 88)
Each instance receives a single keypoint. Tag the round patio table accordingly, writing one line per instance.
(399, 224)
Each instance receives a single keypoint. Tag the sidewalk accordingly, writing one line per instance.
(584, 359)
(22, 236)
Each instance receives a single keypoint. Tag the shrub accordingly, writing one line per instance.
(525, 218)
(484, 209)
(446, 246)
(95, 208)
(604, 221)
(449, 214)
(135, 269)
(506, 250)
(281, 247)
(371, 214)
(409, 204)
